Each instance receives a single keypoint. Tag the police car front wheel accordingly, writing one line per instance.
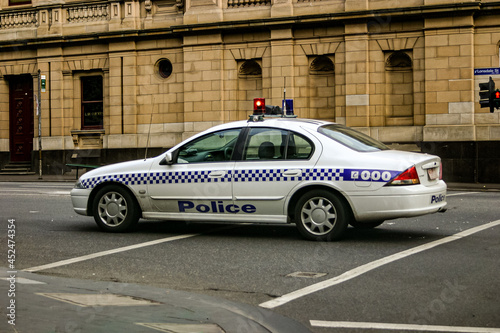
(115, 209)
(321, 215)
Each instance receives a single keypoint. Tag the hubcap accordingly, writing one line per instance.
(112, 209)
(318, 216)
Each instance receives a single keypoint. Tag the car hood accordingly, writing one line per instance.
(137, 166)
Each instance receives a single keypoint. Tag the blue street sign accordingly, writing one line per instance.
(487, 71)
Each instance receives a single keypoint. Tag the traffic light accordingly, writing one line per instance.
(487, 94)
(259, 105)
(496, 99)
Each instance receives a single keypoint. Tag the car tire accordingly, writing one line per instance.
(321, 216)
(115, 209)
(365, 225)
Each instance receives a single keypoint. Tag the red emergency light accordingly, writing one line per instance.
(259, 105)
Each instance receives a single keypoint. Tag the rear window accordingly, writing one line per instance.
(352, 138)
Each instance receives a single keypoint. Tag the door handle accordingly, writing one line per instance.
(292, 173)
(217, 174)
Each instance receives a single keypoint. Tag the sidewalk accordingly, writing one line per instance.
(67, 177)
(71, 177)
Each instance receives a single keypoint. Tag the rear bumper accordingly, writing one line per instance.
(397, 202)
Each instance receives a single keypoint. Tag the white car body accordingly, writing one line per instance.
(247, 188)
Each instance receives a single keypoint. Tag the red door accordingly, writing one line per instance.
(21, 118)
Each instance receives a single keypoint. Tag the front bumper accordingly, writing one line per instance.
(80, 199)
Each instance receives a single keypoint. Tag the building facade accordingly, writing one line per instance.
(97, 82)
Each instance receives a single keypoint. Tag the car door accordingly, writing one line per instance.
(197, 184)
(274, 161)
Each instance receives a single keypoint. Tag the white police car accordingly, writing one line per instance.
(319, 175)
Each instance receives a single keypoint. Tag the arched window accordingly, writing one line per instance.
(249, 83)
(322, 65)
(399, 61)
(322, 87)
(399, 89)
(250, 68)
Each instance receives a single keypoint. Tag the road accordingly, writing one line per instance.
(433, 273)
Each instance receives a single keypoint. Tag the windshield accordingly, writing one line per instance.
(352, 138)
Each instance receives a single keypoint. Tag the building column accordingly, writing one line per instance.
(282, 66)
(449, 79)
(357, 94)
(203, 83)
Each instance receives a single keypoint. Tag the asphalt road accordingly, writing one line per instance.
(438, 272)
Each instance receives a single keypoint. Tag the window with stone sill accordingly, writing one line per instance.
(92, 102)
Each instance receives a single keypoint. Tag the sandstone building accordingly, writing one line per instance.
(117, 74)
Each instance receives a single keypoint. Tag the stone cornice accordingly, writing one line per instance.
(339, 18)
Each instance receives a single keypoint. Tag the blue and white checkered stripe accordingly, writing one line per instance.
(250, 175)
(324, 174)
(262, 175)
(179, 177)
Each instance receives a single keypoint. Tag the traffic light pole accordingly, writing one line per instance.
(39, 112)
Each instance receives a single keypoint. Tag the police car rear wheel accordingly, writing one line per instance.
(320, 215)
(115, 209)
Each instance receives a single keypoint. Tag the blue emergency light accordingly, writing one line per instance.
(287, 107)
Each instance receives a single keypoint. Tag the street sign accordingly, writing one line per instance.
(487, 71)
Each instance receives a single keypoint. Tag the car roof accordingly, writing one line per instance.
(282, 122)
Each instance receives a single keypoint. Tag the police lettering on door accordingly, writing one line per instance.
(214, 207)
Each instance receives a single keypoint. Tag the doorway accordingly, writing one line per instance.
(21, 118)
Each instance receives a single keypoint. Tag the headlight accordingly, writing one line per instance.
(79, 185)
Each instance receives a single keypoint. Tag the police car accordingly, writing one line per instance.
(320, 175)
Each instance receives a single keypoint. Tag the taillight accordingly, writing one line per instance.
(441, 171)
(407, 177)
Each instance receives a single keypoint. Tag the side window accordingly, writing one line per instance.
(276, 144)
(299, 148)
(265, 144)
(215, 147)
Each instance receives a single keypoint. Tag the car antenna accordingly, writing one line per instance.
(283, 111)
(149, 133)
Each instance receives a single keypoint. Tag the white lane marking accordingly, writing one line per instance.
(33, 193)
(108, 252)
(464, 193)
(371, 266)
(23, 280)
(403, 327)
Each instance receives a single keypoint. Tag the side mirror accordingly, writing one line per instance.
(168, 159)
